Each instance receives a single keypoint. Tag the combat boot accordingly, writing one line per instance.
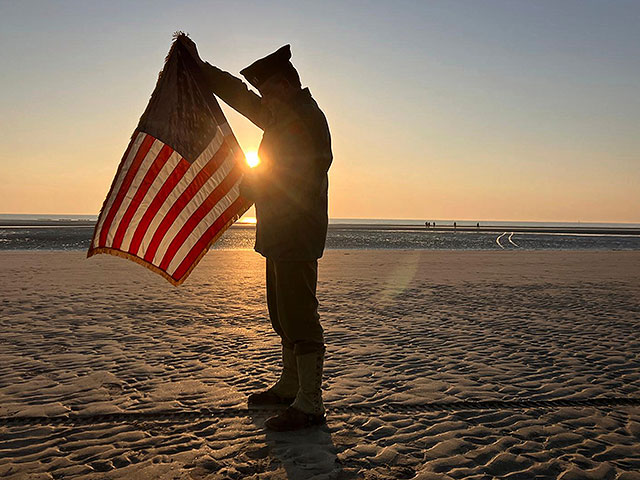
(307, 410)
(285, 389)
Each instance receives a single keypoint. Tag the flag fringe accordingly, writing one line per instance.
(179, 33)
(141, 261)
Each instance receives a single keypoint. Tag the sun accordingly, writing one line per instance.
(253, 160)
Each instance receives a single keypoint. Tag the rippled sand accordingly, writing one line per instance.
(104, 335)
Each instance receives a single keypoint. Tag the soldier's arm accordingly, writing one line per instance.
(230, 89)
(235, 93)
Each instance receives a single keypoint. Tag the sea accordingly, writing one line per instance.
(74, 232)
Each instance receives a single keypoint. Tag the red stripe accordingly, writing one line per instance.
(204, 240)
(150, 176)
(169, 184)
(131, 173)
(206, 206)
(193, 188)
(113, 184)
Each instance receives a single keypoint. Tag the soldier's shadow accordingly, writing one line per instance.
(303, 454)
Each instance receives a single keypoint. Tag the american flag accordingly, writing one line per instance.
(177, 187)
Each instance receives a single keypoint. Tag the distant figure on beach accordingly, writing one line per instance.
(478, 226)
(427, 224)
(289, 189)
(455, 226)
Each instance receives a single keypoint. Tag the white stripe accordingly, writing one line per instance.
(198, 199)
(145, 164)
(156, 185)
(202, 227)
(226, 129)
(184, 182)
(118, 183)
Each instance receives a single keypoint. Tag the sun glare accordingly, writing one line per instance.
(250, 220)
(252, 158)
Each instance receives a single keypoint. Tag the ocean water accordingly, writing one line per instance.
(74, 233)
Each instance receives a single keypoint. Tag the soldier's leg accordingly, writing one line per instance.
(297, 305)
(285, 389)
(272, 302)
(298, 316)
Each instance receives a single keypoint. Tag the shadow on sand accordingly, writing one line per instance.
(304, 454)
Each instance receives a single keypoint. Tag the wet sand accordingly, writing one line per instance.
(87, 337)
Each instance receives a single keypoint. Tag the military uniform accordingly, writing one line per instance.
(289, 188)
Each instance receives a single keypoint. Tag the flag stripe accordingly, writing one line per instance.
(162, 176)
(132, 148)
(141, 190)
(203, 225)
(214, 197)
(167, 187)
(169, 197)
(142, 169)
(192, 205)
(140, 154)
(209, 235)
(183, 199)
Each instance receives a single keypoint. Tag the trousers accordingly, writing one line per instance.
(293, 306)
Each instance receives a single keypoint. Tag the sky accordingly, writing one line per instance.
(492, 110)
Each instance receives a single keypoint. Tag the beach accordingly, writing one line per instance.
(85, 337)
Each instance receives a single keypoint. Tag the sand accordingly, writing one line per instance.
(84, 337)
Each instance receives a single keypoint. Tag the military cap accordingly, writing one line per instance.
(262, 69)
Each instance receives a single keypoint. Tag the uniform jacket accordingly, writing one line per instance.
(289, 186)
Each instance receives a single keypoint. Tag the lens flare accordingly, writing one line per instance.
(253, 160)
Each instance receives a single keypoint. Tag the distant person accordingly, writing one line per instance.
(478, 226)
(454, 226)
(289, 188)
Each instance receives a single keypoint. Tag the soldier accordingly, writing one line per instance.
(289, 189)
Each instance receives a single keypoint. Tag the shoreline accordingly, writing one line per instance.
(338, 227)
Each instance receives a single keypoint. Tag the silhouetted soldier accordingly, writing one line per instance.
(289, 188)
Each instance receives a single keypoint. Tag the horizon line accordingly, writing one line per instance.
(378, 219)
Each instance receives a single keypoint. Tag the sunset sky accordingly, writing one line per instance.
(503, 110)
